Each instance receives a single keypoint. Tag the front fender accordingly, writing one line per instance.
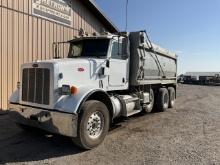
(72, 103)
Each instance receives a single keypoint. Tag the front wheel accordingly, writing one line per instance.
(93, 124)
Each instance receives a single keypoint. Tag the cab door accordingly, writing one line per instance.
(118, 68)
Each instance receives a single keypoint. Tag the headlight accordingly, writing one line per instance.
(65, 90)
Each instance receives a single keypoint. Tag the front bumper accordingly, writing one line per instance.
(51, 121)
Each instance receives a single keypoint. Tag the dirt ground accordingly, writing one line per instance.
(187, 134)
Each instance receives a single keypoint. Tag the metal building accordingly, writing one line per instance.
(28, 29)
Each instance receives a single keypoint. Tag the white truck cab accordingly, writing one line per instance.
(103, 78)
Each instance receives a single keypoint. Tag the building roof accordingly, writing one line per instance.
(95, 9)
(201, 73)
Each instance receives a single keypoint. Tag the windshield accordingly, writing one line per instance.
(89, 48)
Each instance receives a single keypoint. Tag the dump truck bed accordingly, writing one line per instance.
(149, 63)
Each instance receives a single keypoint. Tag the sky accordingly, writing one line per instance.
(191, 28)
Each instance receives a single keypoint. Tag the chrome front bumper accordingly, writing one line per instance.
(51, 121)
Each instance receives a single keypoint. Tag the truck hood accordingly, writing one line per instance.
(82, 73)
(77, 71)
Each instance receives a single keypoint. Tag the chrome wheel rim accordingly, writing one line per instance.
(95, 125)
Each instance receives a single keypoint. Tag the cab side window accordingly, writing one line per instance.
(116, 50)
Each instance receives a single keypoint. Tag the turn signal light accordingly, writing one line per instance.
(74, 90)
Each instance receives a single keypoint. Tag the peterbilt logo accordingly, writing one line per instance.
(81, 69)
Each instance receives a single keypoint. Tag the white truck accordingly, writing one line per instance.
(103, 78)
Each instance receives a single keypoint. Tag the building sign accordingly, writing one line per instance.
(55, 10)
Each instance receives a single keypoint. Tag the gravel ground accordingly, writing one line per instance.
(187, 134)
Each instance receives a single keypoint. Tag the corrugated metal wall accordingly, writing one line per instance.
(24, 38)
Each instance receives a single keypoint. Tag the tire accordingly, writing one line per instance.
(162, 100)
(93, 125)
(172, 97)
(149, 107)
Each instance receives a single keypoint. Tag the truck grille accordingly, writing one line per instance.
(36, 85)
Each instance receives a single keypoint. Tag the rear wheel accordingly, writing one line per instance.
(162, 100)
(172, 95)
(93, 124)
(149, 107)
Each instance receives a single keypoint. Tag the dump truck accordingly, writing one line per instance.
(101, 79)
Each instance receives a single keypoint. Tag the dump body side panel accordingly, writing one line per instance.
(150, 66)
